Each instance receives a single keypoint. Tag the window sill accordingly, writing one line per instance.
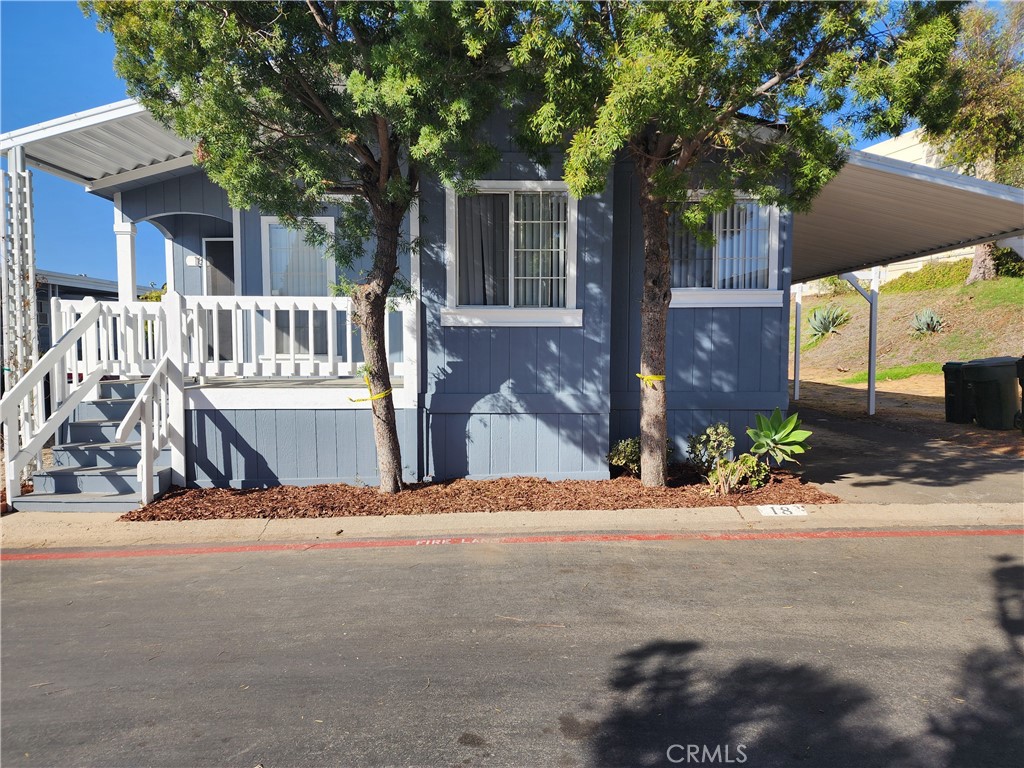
(509, 317)
(725, 297)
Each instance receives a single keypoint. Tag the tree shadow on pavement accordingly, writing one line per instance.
(864, 455)
(988, 727)
(781, 714)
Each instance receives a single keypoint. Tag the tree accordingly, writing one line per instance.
(293, 104)
(985, 135)
(720, 97)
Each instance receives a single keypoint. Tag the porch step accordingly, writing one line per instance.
(76, 502)
(123, 388)
(106, 408)
(106, 480)
(97, 430)
(104, 455)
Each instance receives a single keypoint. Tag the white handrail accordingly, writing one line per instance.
(21, 412)
(152, 411)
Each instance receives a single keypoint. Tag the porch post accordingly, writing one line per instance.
(798, 301)
(872, 299)
(124, 234)
(173, 305)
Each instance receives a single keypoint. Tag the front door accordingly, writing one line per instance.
(220, 281)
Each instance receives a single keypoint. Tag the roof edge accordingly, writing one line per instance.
(68, 123)
(938, 176)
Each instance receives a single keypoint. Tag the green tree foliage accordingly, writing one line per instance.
(720, 97)
(292, 104)
(985, 135)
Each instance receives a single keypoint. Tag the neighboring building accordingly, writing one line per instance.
(59, 285)
(516, 356)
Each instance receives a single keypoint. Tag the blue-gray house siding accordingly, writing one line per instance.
(494, 401)
(721, 363)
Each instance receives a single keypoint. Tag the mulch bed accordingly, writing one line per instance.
(685, 489)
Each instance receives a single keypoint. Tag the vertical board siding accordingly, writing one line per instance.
(260, 448)
(722, 363)
(567, 368)
(191, 192)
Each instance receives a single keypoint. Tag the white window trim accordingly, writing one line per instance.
(725, 297)
(454, 315)
(265, 223)
(739, 297)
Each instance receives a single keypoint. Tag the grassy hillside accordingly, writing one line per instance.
(981, 320)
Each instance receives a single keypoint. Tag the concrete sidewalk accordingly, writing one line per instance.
(22, 530)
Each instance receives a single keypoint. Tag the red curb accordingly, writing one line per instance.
(577, 538)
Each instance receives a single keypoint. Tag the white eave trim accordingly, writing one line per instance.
(511, 317)
(68, 123)
(137, 174)
(725, 297)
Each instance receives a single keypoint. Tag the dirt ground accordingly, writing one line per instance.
(916, 404)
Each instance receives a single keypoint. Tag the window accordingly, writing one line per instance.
(512, 255)
(291, 267)
(739, 258)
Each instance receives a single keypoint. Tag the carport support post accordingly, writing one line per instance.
(872, 299)
(798, 301)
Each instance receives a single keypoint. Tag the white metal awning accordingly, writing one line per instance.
(879, 211)
(102, 147)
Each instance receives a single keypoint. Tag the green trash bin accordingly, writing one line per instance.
(992, 383)
(959, 402)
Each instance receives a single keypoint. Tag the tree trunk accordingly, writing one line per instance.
(984, 265)
(370, 306)
(657, 294)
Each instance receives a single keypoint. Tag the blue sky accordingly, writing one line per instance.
(54, 62)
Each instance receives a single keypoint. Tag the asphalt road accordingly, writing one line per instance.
(840, 652)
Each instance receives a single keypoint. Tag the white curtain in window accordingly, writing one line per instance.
(739, 258)
(742, 234)
(483, 250)
(299, 269)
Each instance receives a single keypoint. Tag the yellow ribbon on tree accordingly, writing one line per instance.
(378, 396)
(650, 378)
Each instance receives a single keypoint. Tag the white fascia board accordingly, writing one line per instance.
(68, 123)
(137, 174)
(935, 176)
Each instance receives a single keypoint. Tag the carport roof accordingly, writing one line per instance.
(876, 211)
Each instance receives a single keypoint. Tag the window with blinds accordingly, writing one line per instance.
(513, 249)
(297, 268)
(739, 258)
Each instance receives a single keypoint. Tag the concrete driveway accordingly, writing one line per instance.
(860, 460)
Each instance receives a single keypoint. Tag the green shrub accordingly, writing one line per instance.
(1008, 263)
(778, 438)
(836, 286)
(939, 274)
(710, 447)
(926, 321)
(625, 454)
(728, 476)
(826, 320)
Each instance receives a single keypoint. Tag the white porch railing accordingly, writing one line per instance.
(152, 409)
(74, 368)
(179, 337)
(280, 336)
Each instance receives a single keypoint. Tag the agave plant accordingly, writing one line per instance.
(826, 320)
(926, 321)
(779, 438)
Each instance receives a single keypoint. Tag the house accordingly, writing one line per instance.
(516, 354)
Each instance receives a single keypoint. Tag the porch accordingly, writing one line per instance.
(125, 385)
